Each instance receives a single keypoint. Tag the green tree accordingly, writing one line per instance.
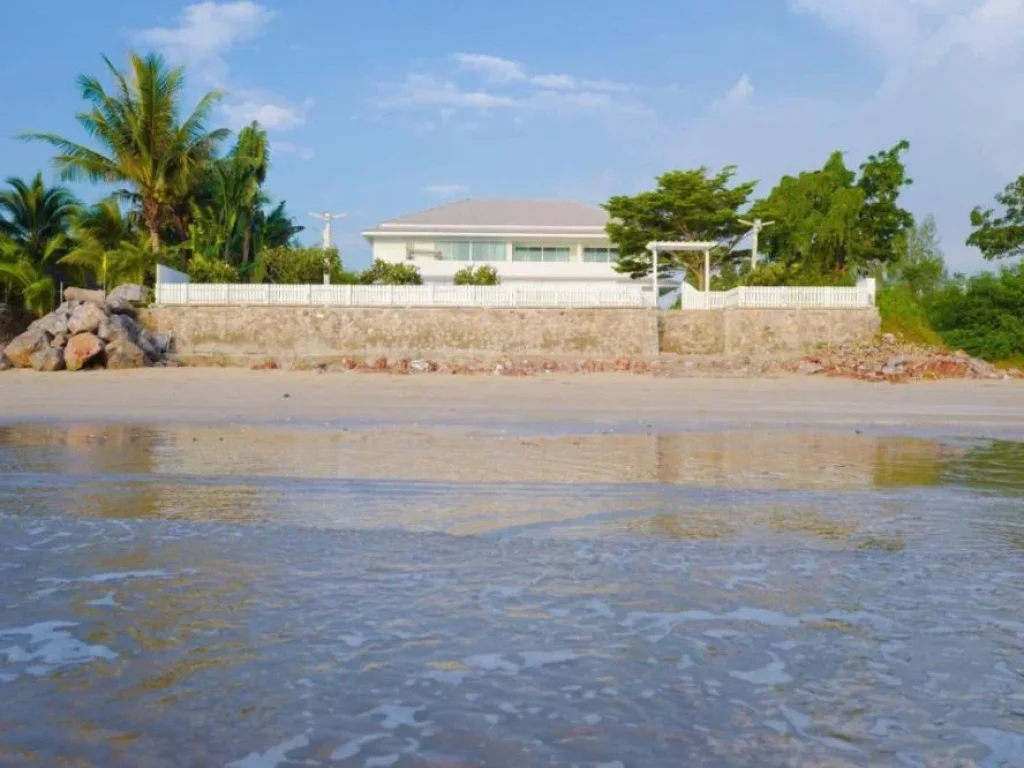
(34, 221)
(922, 267)
(110, 246)
(883, 223)
(206, 270)
(686, 205)
(485, 274)
(274, 229)
(1001, 236)
(386, 273)
(149, 149)
(831, 226)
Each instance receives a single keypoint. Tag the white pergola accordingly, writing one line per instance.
(675, 246)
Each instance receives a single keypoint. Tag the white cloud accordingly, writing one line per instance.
(493, 67)
(949, 82)
(429, 90)
(509, 86)
(206, 31)
(739, 95)
(554, 81)
(446, 190)
(272, 114)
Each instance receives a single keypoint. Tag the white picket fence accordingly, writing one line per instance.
(208, 294)
(782, 297)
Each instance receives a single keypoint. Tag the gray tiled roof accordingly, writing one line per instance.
(506, 213)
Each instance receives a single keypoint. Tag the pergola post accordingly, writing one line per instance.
(654, 277)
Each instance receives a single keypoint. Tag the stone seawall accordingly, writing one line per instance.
(325, 333)
(245, 334)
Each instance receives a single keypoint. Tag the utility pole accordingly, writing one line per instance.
(327, 218)
(755, 230)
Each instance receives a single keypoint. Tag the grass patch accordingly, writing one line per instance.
(1017, 361)
(903, 316)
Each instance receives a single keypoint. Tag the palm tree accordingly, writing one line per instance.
(148, 148)
(110, 246)
(252, 160)
(33, 237)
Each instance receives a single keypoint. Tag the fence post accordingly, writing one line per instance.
(186, 293)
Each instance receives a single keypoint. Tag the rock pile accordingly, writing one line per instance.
(890, 359)
(89, 330)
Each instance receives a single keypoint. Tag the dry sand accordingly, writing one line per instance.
(573, 403)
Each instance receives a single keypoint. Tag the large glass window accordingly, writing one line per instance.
(467, 250)
(600, 255)
(539, 253)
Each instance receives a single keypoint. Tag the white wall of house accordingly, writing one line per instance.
(566, 260)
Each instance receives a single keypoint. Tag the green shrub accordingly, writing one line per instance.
(983, 315)
(302, 266)
(905, 317)
(204, 270)
(387, 273)
(482, 275)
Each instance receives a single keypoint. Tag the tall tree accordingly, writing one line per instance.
(33, 237)
(815, 235)
(148, 147)
(883, 223)
(1001, 236)
(686, 205)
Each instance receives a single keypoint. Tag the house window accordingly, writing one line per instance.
(601, 255)
(539, 253)
(468, 250)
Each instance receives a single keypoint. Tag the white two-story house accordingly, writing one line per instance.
(529, 242)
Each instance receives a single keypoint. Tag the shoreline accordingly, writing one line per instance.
(555, 402)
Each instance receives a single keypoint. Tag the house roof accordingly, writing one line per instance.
(503, 214)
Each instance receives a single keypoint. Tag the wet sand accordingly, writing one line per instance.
(611, 401)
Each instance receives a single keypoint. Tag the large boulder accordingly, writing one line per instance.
(84, 295)
(161, 342)
(49, 359)
(123, 354)
(118, 327)
(130, 293)
(81, 349)
(86, 318)
(120, 306)
(5, 364)
(54, 323)
(22, 347)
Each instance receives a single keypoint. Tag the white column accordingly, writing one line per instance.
(654, 274)
(707, 271)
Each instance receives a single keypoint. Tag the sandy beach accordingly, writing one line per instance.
(193, 395)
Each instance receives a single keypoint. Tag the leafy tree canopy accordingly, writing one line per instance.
(830, 225)
(1001, 236)
(686, 205)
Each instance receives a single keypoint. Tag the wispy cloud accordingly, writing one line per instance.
(504, 84)
(205, 33)
(294, 150)
(494, 67)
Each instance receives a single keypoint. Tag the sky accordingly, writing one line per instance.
(382, 108)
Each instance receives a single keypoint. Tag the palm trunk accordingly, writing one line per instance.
(245, 245)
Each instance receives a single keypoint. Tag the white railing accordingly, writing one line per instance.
(223, 294)
(782, 297)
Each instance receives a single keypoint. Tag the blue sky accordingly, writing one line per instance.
(382, 108)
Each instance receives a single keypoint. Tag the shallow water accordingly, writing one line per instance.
(256, 597)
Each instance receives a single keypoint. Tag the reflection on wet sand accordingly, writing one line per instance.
(755, 460)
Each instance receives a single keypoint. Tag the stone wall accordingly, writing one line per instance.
(770, 332)
(325, 333)
(241, 334)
